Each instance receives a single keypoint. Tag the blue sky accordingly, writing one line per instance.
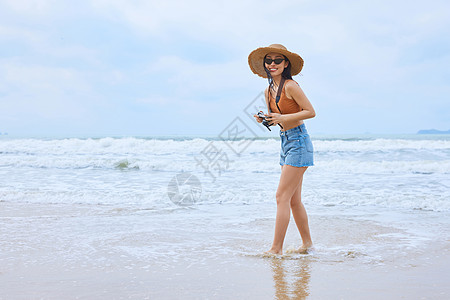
(153, 68)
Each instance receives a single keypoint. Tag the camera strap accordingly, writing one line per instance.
(280, 89)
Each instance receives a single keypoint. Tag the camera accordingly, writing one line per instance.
(264, 122)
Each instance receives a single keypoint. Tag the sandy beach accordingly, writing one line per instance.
(100, 252)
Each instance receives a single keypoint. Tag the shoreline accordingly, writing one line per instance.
(67, 251)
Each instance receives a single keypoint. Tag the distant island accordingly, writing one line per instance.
(432, 131)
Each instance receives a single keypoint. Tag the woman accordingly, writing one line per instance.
(279, 65)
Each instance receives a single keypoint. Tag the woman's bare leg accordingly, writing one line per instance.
(301, 218)
(289, 181)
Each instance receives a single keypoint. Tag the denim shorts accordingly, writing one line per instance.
(296, 147)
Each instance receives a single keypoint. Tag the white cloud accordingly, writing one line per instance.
(361, 38)
(359, 54)
(190, 78)
(17, 33)
(39, 91)
(194, 18)
(31, 7)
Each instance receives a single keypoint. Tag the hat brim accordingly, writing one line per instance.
(256, 60)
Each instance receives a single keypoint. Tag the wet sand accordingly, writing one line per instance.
(100, 252)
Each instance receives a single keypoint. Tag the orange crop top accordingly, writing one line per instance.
(287, 106)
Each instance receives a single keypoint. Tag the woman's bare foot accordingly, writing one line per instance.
(305, 248)
(272, 252)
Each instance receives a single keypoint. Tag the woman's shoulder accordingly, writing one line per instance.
(290, 88)
(291, 83)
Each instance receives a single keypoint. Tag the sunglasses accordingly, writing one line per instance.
(276, 60)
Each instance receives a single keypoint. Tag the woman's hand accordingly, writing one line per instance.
(258, 119)
(275, 118)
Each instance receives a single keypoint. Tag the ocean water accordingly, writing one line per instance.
(168, 207)
(408, 173)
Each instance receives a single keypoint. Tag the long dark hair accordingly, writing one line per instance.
(286, 73)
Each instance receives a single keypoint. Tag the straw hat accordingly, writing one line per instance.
(256, 59)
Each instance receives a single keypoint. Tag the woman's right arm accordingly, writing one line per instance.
(266, 96)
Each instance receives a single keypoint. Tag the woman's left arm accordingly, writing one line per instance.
(294, 91)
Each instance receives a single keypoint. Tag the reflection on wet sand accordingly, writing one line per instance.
(291, 278)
